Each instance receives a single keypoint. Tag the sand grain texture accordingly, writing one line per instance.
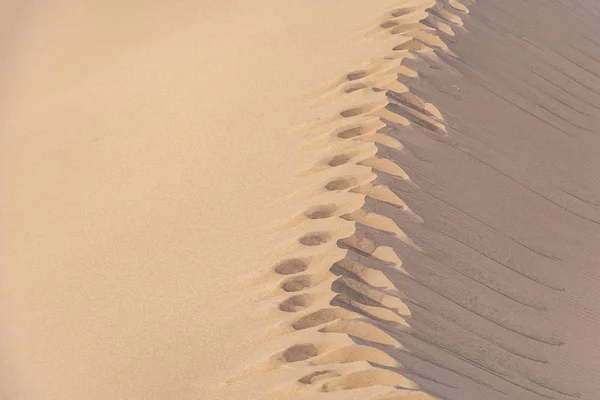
(391, 200)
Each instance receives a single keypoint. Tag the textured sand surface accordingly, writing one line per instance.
(388, 200)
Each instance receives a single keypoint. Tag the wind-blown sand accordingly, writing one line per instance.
(391, 200)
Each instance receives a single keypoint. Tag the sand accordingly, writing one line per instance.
(391, 200)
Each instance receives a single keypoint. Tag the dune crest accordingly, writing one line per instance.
(358, 299)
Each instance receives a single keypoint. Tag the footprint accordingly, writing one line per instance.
(354, 88)
(356, 75)
(338, 160)
(351, 132)
(388, 24)
(315, 239)
(291, 266)
(356, 111)
(317, 376)
(296, 303)
(402, 11)
(317, 318)
(321, 212)
(296, 283)
(341, 183)
(300, 352)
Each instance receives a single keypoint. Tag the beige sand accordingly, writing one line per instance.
(149, 152)
(388, 200)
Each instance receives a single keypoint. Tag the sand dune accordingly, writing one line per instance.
(390, 200)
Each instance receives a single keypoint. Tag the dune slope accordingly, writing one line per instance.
(390, 201)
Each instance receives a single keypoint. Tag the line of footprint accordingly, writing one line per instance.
(345, 296)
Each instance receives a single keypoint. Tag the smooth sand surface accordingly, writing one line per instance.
(390, 200)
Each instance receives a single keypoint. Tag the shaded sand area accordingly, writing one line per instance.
(388, 200)
(504, 294)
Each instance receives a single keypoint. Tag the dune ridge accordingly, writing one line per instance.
(479, 281)
(348, 304)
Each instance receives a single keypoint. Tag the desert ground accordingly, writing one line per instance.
(300, 200)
